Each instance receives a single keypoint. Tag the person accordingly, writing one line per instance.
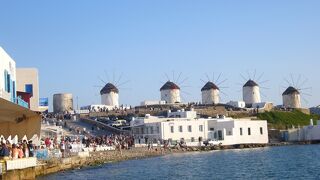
(25, 148)
(31, 149)
(20, 152)
(15, 152)
(4, 152)
(62, 148)
(47, 142)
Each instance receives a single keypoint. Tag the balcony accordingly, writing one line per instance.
(21, 102)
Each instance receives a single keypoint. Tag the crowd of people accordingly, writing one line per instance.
(66, 145)
(14, 151)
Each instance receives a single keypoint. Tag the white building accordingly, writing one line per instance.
(237, 104)
(306, 133)
(170, 93)
(185, 126)
(110, 95)
(251, 93)
(210, 94)
(7, 77)
(149, 103)
(291, 98)
(28, 81)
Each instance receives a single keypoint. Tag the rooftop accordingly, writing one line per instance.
(250, 83)
(291, 90)
(169, 86)
(210, 85)
(108, 88)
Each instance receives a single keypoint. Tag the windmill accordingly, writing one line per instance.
(210, 92)
(291, 97)
(110, 90)
(171, 91)
(251, 89)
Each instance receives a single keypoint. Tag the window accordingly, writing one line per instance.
(151, 129)
(172, 129)
(5, 81)
(180, 129)
(201, 128)
(29, 89)
(192, 139)
(14, 89)
(200, 139)
(190, 128)
(220, 136)
(215, 135)
(261, 131)
(211, 129)
(241, 132)
(8, 83)
(249, 131)
(158, 130)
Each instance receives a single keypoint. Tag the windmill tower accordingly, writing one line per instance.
(210, 93)
(293, 95)
(110, 95)
(109, 91)
(251, 93)
(291, 98)
(170, 93)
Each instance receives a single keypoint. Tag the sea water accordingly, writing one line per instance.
(287, 162)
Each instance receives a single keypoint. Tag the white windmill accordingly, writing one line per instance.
(210, 92)
(251, 90)
(291, 97)
(109, 93)
(170, 91)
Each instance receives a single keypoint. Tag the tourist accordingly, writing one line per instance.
(20, 152)
(25, 148)
(15, 152)
(47, 142)
(62, 148)
(31, 149)
(4, 151)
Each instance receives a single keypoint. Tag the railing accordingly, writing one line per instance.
(21, 102)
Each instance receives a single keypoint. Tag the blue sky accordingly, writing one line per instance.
(74, 42)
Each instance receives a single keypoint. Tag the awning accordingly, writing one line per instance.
(17, 120)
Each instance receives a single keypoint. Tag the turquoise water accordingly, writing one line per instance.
(290, 162)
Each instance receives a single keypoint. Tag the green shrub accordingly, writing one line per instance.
(283, 120)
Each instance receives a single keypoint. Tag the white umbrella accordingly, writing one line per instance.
(10, 139)
(15, 139)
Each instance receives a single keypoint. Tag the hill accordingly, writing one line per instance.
(283, 120)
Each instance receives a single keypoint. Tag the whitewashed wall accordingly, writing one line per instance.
(171, 96)
(251, 94)
(211, 96)
(110, 99)
(292, 100)
(6, 63)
